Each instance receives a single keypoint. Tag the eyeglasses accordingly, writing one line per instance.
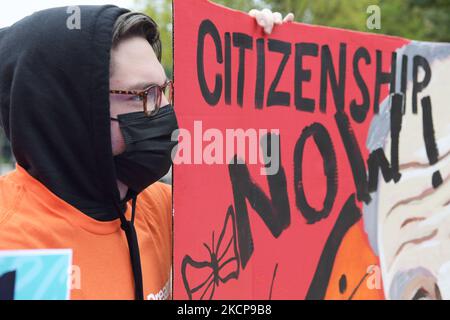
(150, 97)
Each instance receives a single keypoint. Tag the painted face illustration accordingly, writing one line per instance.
(413, 217)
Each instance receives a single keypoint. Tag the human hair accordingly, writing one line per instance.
(132, 24)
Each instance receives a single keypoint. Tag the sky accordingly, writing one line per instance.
(14, 10)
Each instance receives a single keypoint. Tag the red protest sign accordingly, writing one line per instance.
(275, 159)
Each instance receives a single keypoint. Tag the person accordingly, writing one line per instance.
(88, 111)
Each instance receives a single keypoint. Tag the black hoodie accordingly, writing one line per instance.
(54, 100)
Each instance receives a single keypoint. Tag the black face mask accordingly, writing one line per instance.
(148, 140)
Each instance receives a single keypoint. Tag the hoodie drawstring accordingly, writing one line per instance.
(133, 247)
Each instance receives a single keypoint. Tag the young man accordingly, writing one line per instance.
(89, 116)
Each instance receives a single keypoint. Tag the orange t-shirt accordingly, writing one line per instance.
(32, 217)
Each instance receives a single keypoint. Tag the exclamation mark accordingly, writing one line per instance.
(430, 141)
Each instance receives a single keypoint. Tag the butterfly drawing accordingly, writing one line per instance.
(201, 278)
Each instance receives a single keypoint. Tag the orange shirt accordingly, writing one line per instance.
(32, 217)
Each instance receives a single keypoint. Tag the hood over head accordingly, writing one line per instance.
(54, 104)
